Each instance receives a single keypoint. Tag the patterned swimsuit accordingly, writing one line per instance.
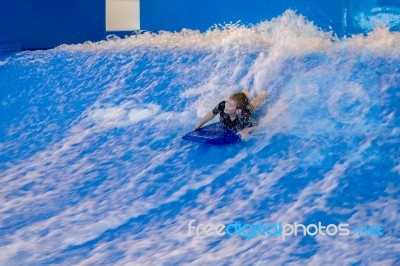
(240, 122)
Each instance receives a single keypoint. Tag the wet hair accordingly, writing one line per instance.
(241, 100)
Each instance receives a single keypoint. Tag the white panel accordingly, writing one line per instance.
(122, 15)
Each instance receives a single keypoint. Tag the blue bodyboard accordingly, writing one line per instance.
(216, 133)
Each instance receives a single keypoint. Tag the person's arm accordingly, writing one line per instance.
(256, 102)
(204, 120)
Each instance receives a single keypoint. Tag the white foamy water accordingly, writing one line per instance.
(119, 116)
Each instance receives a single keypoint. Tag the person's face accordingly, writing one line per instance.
(230, 106)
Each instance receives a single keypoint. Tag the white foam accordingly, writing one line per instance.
(2, 63)
(119, 116)
(396, 169)
(380, 41)
(290, 32)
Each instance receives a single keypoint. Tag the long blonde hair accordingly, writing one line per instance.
(240, 99)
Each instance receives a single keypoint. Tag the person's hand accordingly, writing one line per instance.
(244, 134)
(246, 92)
(196, 127)
(263, 93)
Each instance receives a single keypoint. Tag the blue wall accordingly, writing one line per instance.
(364, 15)
(47, 23)
(176, 14)
(36, 24)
